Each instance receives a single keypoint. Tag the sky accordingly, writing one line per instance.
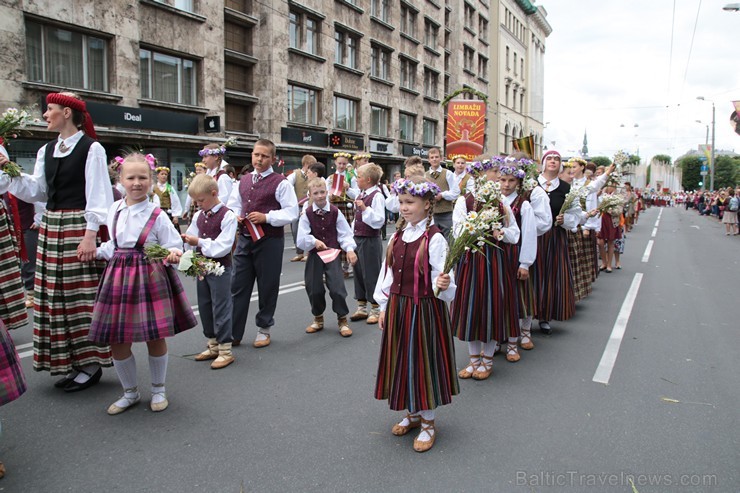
(610, 70)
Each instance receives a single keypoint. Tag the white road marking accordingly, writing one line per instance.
(606, 365)
(648, 249)
(25, 354)
(655, 232)
(660, 213)
(695, 226)
(23, 346)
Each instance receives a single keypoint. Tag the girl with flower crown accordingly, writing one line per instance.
(71, 176)
(416, 369)
(213, 157)
(484, 311)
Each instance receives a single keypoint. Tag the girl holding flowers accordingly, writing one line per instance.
(484, 311)
(416, 368)
(139, 300)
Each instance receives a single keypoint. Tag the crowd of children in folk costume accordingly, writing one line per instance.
(537, 263)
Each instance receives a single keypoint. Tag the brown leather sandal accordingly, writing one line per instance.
(474, 363)
(428, 428)
(400, 430)
(485, 369)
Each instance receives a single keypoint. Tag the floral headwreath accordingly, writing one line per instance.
(218, 151)
(161, 168)
(478, 167)
(512, 170)
(458, 156)
(200, 165)
(342, 154)
(360, 155)
(402, 186)
(572, 161)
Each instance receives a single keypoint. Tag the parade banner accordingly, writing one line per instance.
(466, 128)
(525, 145)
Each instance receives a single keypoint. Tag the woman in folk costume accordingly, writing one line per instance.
(484, 311)
(520, 256)
(12, 295)
(416, 368)
(577, 254)
(169, 200)
(556, 300)
(71, 175)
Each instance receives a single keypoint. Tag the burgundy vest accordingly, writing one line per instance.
(210, 227)
(65, 177)
(404, 271)
(324, 227)
(362, 229)
(260, 197)
(26, 211)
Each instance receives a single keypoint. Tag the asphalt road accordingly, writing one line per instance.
(300, 415)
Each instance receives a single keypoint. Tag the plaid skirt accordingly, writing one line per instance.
(556, 300)
(13, 311)
(12, 381)
(582, 269)
(139, 301)
(64, 295)
(416, 368)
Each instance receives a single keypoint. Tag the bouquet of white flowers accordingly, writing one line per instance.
(12, 122)
(192, 264)
(578, 194)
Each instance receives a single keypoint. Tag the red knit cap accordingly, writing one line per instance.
(75, 104)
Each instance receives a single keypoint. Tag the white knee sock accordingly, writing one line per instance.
(489, 348)
(525, 324)
(158, 371)
(474, 348)
(86, 372)
(126, 371)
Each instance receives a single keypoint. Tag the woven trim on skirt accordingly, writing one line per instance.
(416, 368)
(556, 297)
(64, 293)
(13, 310)
(577, 253)
(139, 301)
(12, 380)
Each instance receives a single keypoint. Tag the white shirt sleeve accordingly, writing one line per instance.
(235, 200)
(383, 286)
(598, 183)
(192, 230)
(540, 203)
(345, 235)
(175, 203)
(221, 246)
(98, 190)
(459, 213)
(374, 216)
(106, 249)
(438, 250)
(166, 235)
(285, 195)
(391, 203)
(528, 250)
(353, 191)
(225, 186)
(304, 239)
(511, 232)
(454, 189)
(32, 188)
(572, 217)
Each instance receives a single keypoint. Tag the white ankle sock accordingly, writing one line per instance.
(158, 371)
(426, 435)
(406, 421)
(513, 340)
(86, 373)
(126, 371)
(262, 336)
(489, 348)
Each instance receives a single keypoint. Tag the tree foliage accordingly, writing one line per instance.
(690, 168)
(663, 158)
(601, 160)
(726, 171)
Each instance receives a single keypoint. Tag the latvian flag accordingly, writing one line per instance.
(337, 186)
(329, 254)
(255, 230)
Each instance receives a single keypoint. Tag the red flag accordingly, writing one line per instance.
(329, 254)
(255, 230)
(337, 186)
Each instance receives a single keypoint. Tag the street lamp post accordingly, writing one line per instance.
(711, 158)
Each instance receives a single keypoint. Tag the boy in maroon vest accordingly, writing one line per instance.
(369, 218)
(321, 229)
(264, 202)
(212, 232)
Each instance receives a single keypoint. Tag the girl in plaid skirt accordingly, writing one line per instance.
(139, 300)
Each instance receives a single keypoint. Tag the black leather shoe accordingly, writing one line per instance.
(76, 387)
(63, 382)
(545, 328)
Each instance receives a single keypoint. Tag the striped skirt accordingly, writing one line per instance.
(139, 301)
(64, 295)
(13, 311)
(12, 381)
(577, 253)
(556, 300)
(485, 304)
(416, 368)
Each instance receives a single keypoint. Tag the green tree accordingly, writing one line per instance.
(601, 160)
(647, 174)
(726, 171)
(663, 158)
(690, 167)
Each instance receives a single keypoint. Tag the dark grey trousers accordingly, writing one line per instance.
(367, 269)
(316, 269)
(214, 305)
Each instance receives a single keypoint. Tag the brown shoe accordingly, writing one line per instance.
(373, 315)
(474, 364)
(316, 325)
(262, 343)
(485, 369)
(297, 258)
(225, 358)
(525, 342)
(360, 314)
(512, 353)
(428, 428)
(211, 351)
(414, 422)
(237, 342)
(344, 329)
(29, 299)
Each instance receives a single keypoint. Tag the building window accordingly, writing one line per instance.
(381, 9)
(508, 86)
(408, 20)
(482, 67)
(521, 67)
(469, 16)
(380, 62)
(66, 58)
(521, 102)
(514, 63)
(184, 5)
(513, 99)
(244, 6)
(237, 37)
(431, 31)
(406, 126)
(345, 114)
(482, 27)
(304, 32)
(167, 78)
(379, 118)
(408, 73)
(302, 105)
(238, 78)
(346, 48)
(430, 132)
(239, 117)
(508, 64)
(468, 56)
(430, 83)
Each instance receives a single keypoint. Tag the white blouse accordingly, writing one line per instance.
(438, 249)
(373, 216)
(460, 212)
(528, 250)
